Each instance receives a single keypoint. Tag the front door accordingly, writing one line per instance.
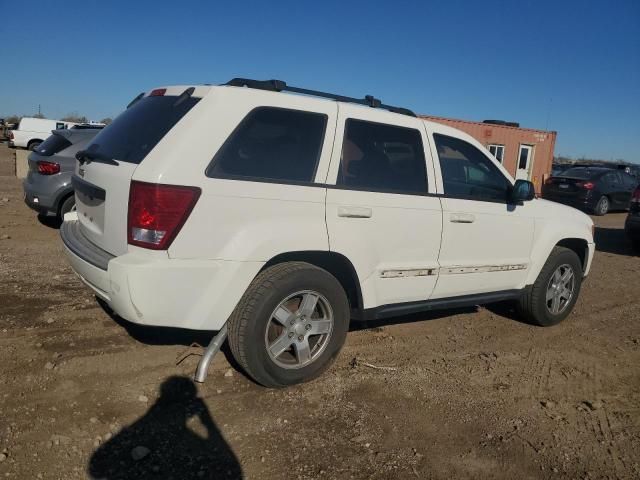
(379, 210)
(486, 242)
(524, 162)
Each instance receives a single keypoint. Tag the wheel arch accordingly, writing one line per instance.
(579, 245)
(336, 264)
(32, 141)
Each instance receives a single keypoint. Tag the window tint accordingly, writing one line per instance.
(468, 173)
(382, 158)
(134, 133)
(52, 145)
(274, 144)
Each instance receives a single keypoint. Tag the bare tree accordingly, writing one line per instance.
(106, 121)
(75, 118)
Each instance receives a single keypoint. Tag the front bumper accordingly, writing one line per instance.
(159, 291)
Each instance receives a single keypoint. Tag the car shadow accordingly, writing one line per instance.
(49, 221)
(176, 438)
(613, 240)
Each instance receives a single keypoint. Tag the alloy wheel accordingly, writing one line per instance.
(299, 329)
(560, 289)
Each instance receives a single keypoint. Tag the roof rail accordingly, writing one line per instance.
(281, 86)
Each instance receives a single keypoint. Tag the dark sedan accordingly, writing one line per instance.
(593, 189)
(632, 225)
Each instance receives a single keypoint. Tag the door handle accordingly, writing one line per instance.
(355, 212)
(462, 218)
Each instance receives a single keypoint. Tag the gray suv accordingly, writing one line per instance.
(47, 188)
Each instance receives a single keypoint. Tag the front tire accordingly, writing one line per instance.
(289, 325)
(554, 293)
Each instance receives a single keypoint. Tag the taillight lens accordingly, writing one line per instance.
(158, 212)
(636, 196)
(158, 92)
(586, 185)
(48, 168)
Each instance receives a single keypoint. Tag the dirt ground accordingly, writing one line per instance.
(474, 394)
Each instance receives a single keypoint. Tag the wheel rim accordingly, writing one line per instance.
(299, 329)
(604, 205)
(560, 289)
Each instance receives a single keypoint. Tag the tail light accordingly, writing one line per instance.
(158, 212)
(158, 92)
(48, 168)
(586, 185)
(635, 198)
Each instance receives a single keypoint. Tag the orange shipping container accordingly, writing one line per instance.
(526, 153)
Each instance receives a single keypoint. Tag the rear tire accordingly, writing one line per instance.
(68, 205)
(273, 336)
(538, 303)
(602, 207)
(33, 145)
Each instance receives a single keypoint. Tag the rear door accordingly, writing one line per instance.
(102, 181)
(380, 210)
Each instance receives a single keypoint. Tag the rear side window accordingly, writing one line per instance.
(52, 145)
(134, 133)
(468, 173)
(272, 144)
(382, 158)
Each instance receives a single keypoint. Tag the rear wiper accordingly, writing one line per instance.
(83, 155)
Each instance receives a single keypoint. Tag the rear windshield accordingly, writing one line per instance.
(582, 173)
(52, 145)
(135, 132)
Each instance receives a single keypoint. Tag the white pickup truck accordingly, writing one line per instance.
(31, 132)
(280, 214)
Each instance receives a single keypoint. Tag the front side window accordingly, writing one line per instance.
(468, 173)
(382, 158)
(497, 151)
(272, 144)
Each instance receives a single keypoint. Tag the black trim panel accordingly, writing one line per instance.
(88, 189)
(399, 309)
(81, 246)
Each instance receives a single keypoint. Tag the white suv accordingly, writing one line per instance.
(285, 213)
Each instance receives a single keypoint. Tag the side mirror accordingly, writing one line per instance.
(522, 191)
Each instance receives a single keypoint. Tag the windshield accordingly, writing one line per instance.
(135, 132)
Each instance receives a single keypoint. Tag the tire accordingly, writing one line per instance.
(33, 145)
(66, 206)
(254, 329)
(535, 305)
(602, 207)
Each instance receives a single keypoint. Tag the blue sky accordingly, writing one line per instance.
(573, 67)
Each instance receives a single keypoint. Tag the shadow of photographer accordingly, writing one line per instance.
(175, 439)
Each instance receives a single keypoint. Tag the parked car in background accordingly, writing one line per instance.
(593, 189)
(262, 227)
(31, 132)
(632, 224)
(47, 188)
(558, 168)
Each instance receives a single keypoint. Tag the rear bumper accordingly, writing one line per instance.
(581, 203)
(37, 201)
(159, 291)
